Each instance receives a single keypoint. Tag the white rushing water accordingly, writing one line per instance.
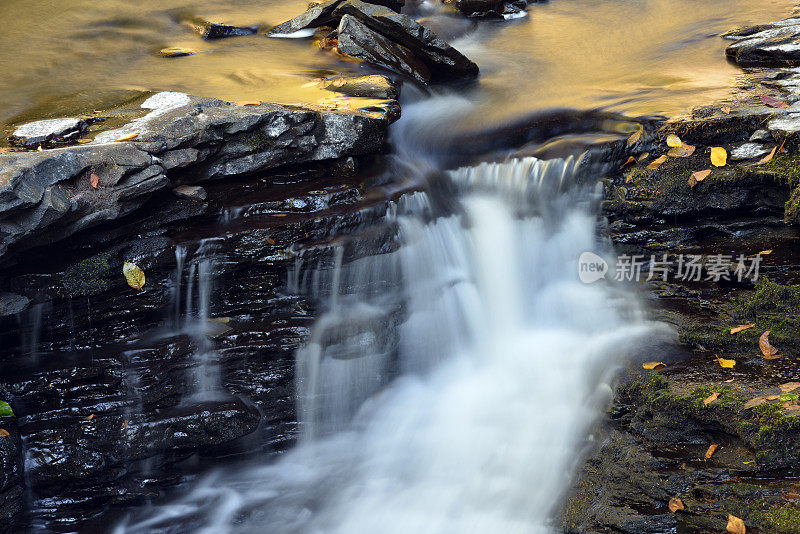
(449, 385)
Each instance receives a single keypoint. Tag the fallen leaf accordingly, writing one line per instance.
(711, 450)
(249, 103)
(689, 150)
(729, 381)
(127, 138)
(773, 397)
(654, 365)
(40, 149)
(222, 320)
(656, 163)
(675, 504)
(742, 327)
(631, 159)
(678, 152)
(735, 525)
(270, 241)
(633, 139)
(752, 403)
(94, 180)
(719, 156)
(89, 417)
(789, 386)
(711, 398)
(726, 109)
(768, 157)
(766, 349)
(673, 141)
(765, 252)
(698, 176)
(5, 409)
(773, 102)
(727, 364)
(781, 150)
(133, 275)
(4, 433)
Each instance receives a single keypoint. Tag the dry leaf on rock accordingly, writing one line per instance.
(768, 351)
(735, 525)
(752, 403)
(727, 364)
(773, 102)
(673, 141)
(768, 157)
(698, 176)
(656, 163)
(789, 386)
(711, 450)
(742, 327)
(4, 433)
(711, 398)
(675, 504)
(94, 180)
(133, 275)
(719, 156)
(654, 365)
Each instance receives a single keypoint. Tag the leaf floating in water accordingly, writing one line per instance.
(735, 525)
(656, 163)
(698, 177)
(789, 386)
(719, 156)
(133, 275)
(4, 433)
(752, 403)
(711, 398)
(711, 450)
(675, 504)
(94, 180)
(654, 366)
(768, 157)
(249, 103)
(727, 364)
(773, 102)
(767, 350)
(130, 137)
(742, 327)
(673, 141)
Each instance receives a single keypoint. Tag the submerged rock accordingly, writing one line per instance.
(767, 45)
(443, 61)
(370, 86)
(177, 52)
(357, 40)
(51, 131)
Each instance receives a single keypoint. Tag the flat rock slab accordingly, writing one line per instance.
(443, 61)
(33, 134)
(357, 40)
(370, 86)
(766, 45)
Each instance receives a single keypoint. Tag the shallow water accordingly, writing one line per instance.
(639, 56)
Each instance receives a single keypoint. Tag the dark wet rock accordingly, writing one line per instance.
(480, 8)
(216, 30)
(47, 196)
(357, 40)
(50, 131)
(371, 86)
(11, 481)
(12, 304)
(321, 14)
(192, 192)
(768, 45)
(443, 61)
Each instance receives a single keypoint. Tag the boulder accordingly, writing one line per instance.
(370, 86)
(51, 131)
(321, 14)
(768, 45)
(357, 40)
(443, 61)
(191, 192)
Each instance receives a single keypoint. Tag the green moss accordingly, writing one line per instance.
(258, 140)
(785, 167)
(5, 410)
(780, 519)
(89, 276)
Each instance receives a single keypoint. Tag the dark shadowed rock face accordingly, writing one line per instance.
(767, 45)
(357, 40)
(443, 61)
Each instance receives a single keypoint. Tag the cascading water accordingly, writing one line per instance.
(448, 384)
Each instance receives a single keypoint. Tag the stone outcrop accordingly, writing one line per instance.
(47, 132)
(321, 14)
(766, 45)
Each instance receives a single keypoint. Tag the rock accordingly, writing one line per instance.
(749, 151)
(215, 30)
(769, 45)
(480, 8)
(321, 14)
(443, 61)
(761, 135)
(192, 192)
(11, 489)
(786, 125)
(51, 131)
(371, 86)
(177, 52)
(357, 40)
(447, 26)
(12, 304)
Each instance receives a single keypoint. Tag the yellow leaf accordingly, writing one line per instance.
(675, 504)
(719, 156)
(673, 141)
(249, 103)
(654, 365)
(789, 386)
(735, 525)
(752, 403)
(773, 397)
(656, 163)
(727, 364)
(711, 450)
(128, 138)
(4, 433)
(742, 327)
(726, 109)
(711, 398)
(221, 320)
(631, 159)
(133, 275)
(768, 351)
(633, 139)
(765, 252)
(768, 157)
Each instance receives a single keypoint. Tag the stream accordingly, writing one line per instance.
(452, 362)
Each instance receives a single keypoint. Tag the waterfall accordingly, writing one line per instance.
(447, 385)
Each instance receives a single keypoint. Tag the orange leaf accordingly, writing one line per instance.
(654, 365)
(767, 350)
(735, 525)
(768, 157)
(742, 327)
(698, 177)
(249, 103)
(773, 102)
(130, 137)
(711, 398)
(726, 109)
(675, 504)
(711, 450)
(633, 139)
(656, 163)
(727, 364)
(94, 180)
(89, 417)
(4, 433)
(789, 386)
(631, 159)
(752, 403)
(773, 397)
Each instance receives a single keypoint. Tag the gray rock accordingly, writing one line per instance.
(443, 61)
(785, 125)
(12, 304)
(215, 30)
(357, 40)
(192, 192)
(321, 14)
(749, 151)
(43, 132)
(761, 135)
(768, 45)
